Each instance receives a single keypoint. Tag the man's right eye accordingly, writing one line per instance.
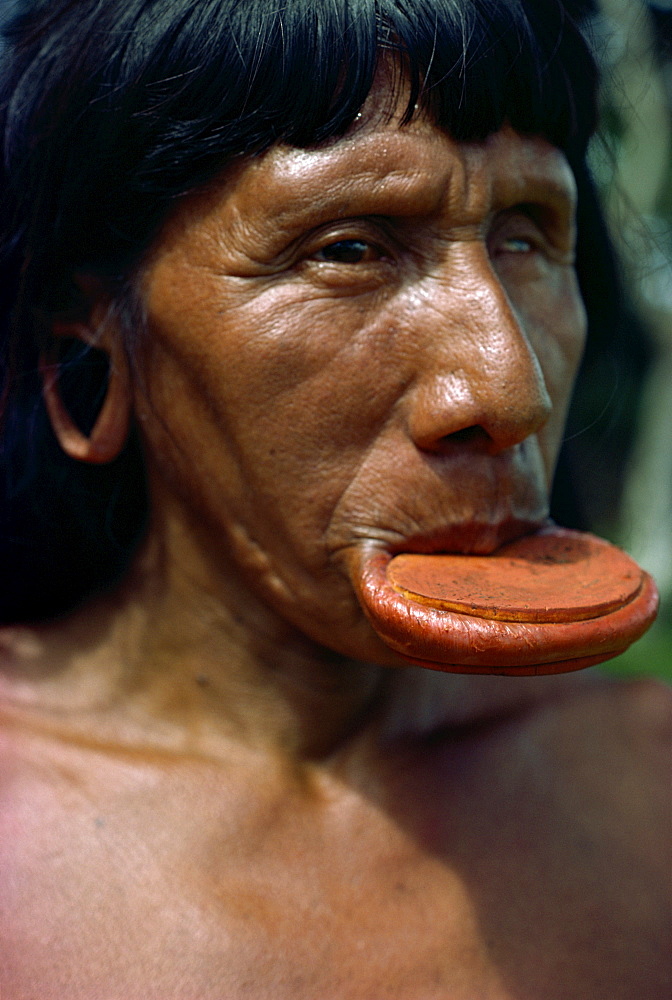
(349, 252)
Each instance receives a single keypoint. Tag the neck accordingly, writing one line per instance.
(198, 668)
(231, 665)
(189, 666)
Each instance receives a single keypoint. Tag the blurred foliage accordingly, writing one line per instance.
(633, 164)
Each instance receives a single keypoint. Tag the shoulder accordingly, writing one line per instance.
(38, 755)
(630, 717)
(555, 808)
(645, 707)
(587, 764)
(19, 647)
(607, 752)
(608, 730)
(583, 811)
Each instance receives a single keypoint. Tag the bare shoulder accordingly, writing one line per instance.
(574, 768)
(610, 742)
(643, 705)
(19, 650)
(559, 813)
(609, 752)
(45, 760)
(26, 660)
(597, 764)
(630, 718)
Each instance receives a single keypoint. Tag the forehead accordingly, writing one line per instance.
(422, 165)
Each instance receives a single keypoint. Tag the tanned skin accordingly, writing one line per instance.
(218, 783)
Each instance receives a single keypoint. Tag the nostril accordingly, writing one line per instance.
(467, 435)
(473, 437)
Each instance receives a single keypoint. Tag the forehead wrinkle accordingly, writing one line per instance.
(397, 175)
(398, 192)
(334, 191)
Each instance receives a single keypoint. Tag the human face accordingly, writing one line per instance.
(367, 343)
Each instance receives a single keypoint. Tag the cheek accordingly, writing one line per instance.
(265, 404)
(555, 324)
(564, 349)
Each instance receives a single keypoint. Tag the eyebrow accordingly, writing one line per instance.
(381, 189)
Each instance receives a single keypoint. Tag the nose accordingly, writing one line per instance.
(478, 378)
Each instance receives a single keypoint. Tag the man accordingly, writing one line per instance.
(337, 325)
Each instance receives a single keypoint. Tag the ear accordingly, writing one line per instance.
(109, 433)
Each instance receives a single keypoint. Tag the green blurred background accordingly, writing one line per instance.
(623, 473)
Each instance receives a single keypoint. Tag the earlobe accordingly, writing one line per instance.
(108, 435)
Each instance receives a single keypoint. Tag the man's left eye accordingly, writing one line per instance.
(516, 244)
(349, 252)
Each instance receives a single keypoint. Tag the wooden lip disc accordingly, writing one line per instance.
(554, 601)
(555, 575)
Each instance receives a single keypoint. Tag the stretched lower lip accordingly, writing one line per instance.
(548, 602)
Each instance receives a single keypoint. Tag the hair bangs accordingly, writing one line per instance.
(160, 97)
(300, 74)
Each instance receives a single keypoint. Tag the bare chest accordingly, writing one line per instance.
(129, 882)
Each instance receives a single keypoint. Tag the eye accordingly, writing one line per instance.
(516, 244)
(515, 235)
(532, 231)
(349, 252)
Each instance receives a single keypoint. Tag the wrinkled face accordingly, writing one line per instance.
(367, 343)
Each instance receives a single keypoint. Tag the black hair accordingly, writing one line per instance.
(110, 110)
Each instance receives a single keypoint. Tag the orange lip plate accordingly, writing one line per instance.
(559, 576)
(550, 602)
